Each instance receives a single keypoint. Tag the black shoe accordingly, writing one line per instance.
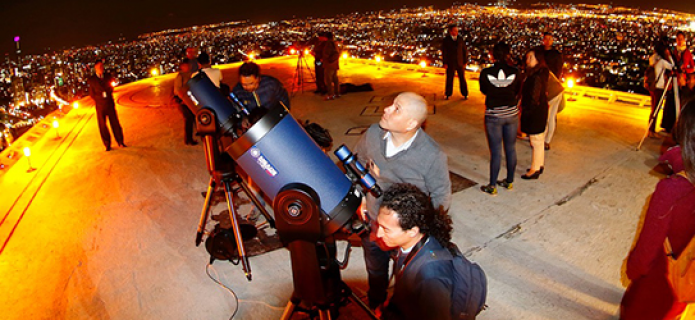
(108, 148)
(490, 189)
(547, 146)
(505, 184)
(192, 143)
(447, 98)
(122, 145)
(465, 98)
(533, 176)
(541, 170)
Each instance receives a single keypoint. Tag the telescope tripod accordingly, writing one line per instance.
(298, 80)
(660, 106)
(225, 178)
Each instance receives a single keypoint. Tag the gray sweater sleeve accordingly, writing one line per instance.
(438, 182)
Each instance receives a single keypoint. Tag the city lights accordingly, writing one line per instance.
(423, 64)
(154, 72)
(306, 52)
(75, 105)
(345, 55)
(293, 51)
(114, 83)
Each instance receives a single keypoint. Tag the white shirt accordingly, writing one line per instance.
(392, 150)
(215, 75)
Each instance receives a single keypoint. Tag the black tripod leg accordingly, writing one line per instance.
(205, 213)
(237, 232)
(364, 307)
(289, 309)
(255, 201)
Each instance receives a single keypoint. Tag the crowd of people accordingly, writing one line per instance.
(521, 102)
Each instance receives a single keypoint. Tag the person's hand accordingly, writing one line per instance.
(373, 169)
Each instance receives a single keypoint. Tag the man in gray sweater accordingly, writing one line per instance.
(397, 150)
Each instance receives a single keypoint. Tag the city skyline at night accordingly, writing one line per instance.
(47, 26)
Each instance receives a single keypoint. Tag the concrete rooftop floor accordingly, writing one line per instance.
(109, 235)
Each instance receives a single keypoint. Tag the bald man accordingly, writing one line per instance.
(398, 150)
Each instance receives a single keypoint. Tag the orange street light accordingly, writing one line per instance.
(154, 72)
(306, 52)
(293, 51)
(55, 125)
(423, 64)
(570, 83)
(27, 153)
(252, 56)
(345, 55)
(75, 105)
(114, 83)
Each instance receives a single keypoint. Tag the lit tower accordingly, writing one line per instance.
(19, 51)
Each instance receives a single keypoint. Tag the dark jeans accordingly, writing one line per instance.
(320, 81)
(669, 116)
(499, 130)
(189, 120)
(377, 263)
(102, 114)
(449, 89)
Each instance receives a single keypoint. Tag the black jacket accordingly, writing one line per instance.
(500, 84)
(553, 58)
(454, 53)
(423, 290)
(534, 101)
(101, 91)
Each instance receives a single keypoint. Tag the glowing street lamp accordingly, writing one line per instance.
(306, 52)
(154, 72)
(75, 105)
(423, 64)
(55, 125)
(27, 153)
(345, 55)
(378, 62)
(293, 51)
(252, 56)
(570, 83)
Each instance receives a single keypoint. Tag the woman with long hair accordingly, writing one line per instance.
(671, 215)
(534, 109)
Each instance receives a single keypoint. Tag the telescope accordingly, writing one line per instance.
(313, 200)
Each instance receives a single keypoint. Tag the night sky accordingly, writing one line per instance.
(55, 24)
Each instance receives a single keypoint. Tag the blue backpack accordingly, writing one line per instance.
(470, 287)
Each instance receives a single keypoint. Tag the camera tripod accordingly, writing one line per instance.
(223, 173)
(298, 79)
(662, 103)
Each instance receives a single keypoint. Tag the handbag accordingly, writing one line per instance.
(554, 86)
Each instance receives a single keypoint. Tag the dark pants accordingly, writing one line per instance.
(189, 120)
(449, 90)
(102, 114)
(669, 117)
(377, 263)
(498, 131)
(320, 81)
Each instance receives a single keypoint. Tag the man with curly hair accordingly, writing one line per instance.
(398, 150)
(424, 269)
